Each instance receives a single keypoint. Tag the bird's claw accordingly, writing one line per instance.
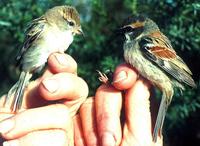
(103, 77)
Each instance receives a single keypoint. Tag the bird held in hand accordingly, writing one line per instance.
(148, 50)
(52, 32)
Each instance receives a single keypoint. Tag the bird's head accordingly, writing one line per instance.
(134, 26)
(66, 18)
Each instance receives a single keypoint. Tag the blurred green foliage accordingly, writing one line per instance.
(101, 49)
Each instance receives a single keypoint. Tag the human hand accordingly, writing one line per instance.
(50, 103)
(99, 123)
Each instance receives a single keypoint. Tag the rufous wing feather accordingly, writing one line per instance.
(157, 48)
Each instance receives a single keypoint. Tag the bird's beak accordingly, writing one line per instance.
(79, 31)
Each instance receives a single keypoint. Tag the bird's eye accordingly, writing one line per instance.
(127, 29)
(71, 23)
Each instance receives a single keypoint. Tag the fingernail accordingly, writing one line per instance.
(11, 143)
(51, 85)
(6, 126)
(122, 75)
(61, 59)
(108, 139)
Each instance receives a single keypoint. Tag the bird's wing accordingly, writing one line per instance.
(32, 33)
(157, 48)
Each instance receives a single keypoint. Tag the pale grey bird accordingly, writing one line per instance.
(52, 32)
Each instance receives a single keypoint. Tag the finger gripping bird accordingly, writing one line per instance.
(52, 32)
(151, 53)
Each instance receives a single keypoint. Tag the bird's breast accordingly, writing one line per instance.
(58, 41)
(51, 41)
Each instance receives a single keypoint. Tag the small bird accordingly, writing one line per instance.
(151, 53)
(52, 32)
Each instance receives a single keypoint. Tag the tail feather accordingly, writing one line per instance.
(10, 94)
(18, 91)
(160, 118)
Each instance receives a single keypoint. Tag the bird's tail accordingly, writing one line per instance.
(17, 91)
(160, 118)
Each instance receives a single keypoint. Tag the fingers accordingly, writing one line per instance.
(54, 137)
(138, 118)
(78, 132)
(55, 116)
(63, 85)
(124, 77)
(108, 102)
(85, 125)
(75, 93)
(88, 121)
(137, 107)
(58, 62)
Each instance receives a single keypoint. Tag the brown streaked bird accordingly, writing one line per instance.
(151, 53)
(52, 32)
